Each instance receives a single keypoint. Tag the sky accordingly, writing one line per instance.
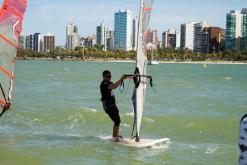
(53, 15)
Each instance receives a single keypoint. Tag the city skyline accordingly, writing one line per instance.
(48, 16)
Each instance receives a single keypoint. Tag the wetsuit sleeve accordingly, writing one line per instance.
(104, 86)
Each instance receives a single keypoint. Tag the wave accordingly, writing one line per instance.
(228, 78)
(90, 109)
(211, 150)
(129, 114)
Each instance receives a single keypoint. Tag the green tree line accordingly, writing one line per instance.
(84, 53)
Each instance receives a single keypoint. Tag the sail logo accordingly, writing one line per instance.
(16, 29)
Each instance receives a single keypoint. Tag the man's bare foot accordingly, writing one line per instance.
(117, 139)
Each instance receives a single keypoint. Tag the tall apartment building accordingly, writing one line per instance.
(49, 43)
(169, 39)
(236, 29)
(201, 37)
(152, 37)
(122, 30)
(37, 42)
(101, 39)
(29, 42)
(187, 36)
(134, 33)
(216, 36)
(22, 42)
(72, 37)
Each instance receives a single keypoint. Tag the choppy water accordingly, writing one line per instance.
(57, 116)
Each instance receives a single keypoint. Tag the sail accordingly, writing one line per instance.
(11, 18)
(141, 63)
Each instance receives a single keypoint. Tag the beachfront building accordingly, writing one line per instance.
(37, 42)
(89, 41)
(215, 38)
(101, 36)
(169, 39)
(178, 39)
(122, 30)
(152, 38)
(109, 39)
(244, 31)
(29, 42)
(235, 29)
(49, 43)
(104, 37)
(134, 33)
(187, 36)
(22, 42)
(201, 37)
(72, 37)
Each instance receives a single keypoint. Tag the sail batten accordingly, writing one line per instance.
(11, 19)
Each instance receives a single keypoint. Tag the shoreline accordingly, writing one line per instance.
(132, 61)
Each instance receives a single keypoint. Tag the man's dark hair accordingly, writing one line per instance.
(106, 72)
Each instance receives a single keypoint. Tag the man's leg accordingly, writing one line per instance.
(116, 133)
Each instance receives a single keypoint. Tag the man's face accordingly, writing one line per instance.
(107, 77)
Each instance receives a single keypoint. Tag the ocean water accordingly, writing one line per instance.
(57, 117)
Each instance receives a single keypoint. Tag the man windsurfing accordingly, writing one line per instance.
(109, 102)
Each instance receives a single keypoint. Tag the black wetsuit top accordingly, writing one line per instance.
(106, 93)
(108, 102)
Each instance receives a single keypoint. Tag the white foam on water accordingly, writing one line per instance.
(149, 120)
(190, 125)
(125, 125)
(228, 78)
(211, 150)
(129, 114)
(90, 109)
(66, 69)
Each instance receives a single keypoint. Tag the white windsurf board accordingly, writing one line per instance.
(141, 144)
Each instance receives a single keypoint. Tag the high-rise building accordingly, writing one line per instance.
(89, 41)
(122, 30)
(234, 29)
(169, 39)
(187, 36)
(37, 42)
(134, 33)
(152, 38)
(200, 37)
(101, 36)
(72, 37)
(244, 41)
(29, 42)
(216, 36)
(178, 39)
(22, 42)
(49, 43)
(109, 39)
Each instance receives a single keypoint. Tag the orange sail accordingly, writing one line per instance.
(11, 19)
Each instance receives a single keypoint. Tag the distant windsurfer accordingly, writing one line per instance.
(109, 103)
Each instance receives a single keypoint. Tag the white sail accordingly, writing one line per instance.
(141, 63)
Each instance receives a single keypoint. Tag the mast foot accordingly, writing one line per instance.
(137, 139)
